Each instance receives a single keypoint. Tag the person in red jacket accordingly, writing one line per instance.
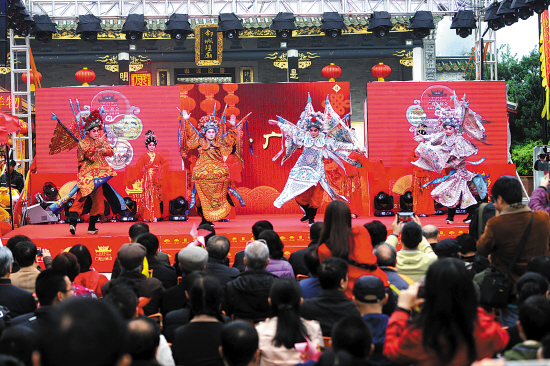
(450, 329)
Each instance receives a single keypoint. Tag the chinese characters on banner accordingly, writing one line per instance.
(545, 62)
(208, 45)
(6, 102)
(140, 79)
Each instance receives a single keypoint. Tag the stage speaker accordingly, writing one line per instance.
(4, 43)
(38, 215)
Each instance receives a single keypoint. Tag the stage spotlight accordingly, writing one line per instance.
(464, 21)
(283, 24)
(134, 27)
(230, 25)
(523, 9)
(538, 6)
(332, 24)
(50, 191)
(380, 24)
(177, 208)
(383, 204)
(129, 215)
(88, 27)
(510, 15)
(178, 27)
(406, 202)
(421, 23)
(43, 28)
(494, 21)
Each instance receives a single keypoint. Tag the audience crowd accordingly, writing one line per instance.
(354, 296)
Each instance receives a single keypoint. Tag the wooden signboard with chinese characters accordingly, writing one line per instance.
(208, 45)
(140, 79)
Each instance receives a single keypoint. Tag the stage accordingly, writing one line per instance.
(174, 235)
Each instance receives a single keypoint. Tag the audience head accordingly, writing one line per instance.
(378, 232)
(239, 344)
(136, 230)
(205, 297)
(431, 233)
(335, 358)
(544, 350)
(369, 290)
(534, 318)
(352, 334)
(285, 298)
(150, 242)
(466, 244)
(67, 264)
(53, 287)
(508, 188)
(531, 284)
(446, 248)
(25, 254)
(218, 247)
(311, 260)
(273, 242)
(93, 329)
(6, 260)
(131, 256)
(386, 255)
(143, 339)
(7, 360)
(333, 274)
(256, 255)
(123, 295)
(19, 342)
(16, 239)
(192, 258)
(315, 231)
(411, 235)
(540, 264)
(260, 226)
(209, 228)
(336, 232)
(83, 257)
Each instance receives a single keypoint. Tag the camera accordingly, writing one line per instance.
(40, 254)
(405, 216)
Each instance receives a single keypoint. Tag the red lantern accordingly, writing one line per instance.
(24, 76)
(85, 76)
(331, 72)
(380, 71)
(24, 127)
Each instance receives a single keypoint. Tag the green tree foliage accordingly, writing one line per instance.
(522, 155)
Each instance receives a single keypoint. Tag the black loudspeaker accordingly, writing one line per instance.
(4, 45)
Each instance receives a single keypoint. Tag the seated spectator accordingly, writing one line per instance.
(353, 336)
(257, 228)
(179, 269)
(311, 286)
(378, 232)
(331, 304)
(141, 228)
(143, 341)
(533, 324)
(386, 257)
(26, 256)
(431, 233)
(131, 257)
(450, 329)
(11, 244)
(278, 264)
(370, 296)
(87, 277)
(332, 358)
(84, 332)
(279, 334)
(19, 342)
(16, 300)
(197, 343)
(190, 259)
(67, 264)
(52, 288)
(412, 261)
(446, 248)
(539, 197)
(467, 252)
(246, 296)
(218, 247)
(165, 273)
(297, 258)
(239, 344)
(540, 264)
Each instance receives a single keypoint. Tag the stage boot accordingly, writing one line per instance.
(201, 214)
(311, 215)
(91, 225)
(73, 219)
(451, 215)
(306, 213)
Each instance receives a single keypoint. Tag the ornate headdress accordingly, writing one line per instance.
(93, 120)
(150, 137)
(449, 117)
(209, 122)
(314, 121)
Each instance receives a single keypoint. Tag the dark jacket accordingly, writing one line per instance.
(239, 261)
(328, 308)
(148, 287)
(217, 268)
(246, 296)
(39, 318)
(474, 229)
(297, 261)
(166, 274)
(17, 180)
(16, 300)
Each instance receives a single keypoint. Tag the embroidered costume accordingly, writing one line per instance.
(152, 168)
(330, 139)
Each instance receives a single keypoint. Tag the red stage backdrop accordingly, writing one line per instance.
(131, 111)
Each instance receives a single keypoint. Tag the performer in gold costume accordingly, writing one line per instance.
(152, 168)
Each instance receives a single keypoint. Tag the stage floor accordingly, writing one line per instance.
(174, 235)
